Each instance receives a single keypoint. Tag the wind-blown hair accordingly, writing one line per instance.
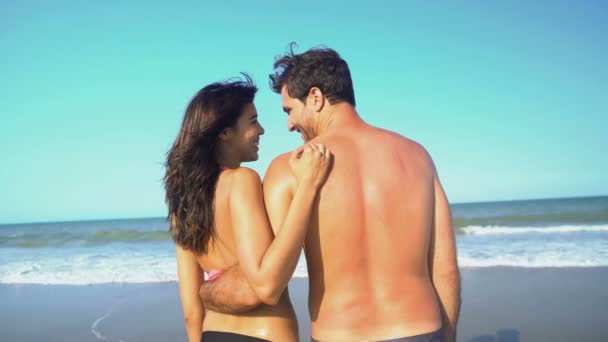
(191, 168)
(319, 67)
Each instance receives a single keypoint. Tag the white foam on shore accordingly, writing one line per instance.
(139, 266)
(525, 262)
(563, 229)
(95, 277)
(81, 268)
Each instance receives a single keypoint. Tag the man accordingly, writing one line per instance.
(380, 247)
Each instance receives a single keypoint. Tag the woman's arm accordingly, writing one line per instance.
(269, 263)
(190, 276)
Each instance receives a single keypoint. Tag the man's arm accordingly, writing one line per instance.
(230, 293)
(279, 185)
(443, 264)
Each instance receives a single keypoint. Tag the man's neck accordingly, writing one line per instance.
(336, 118)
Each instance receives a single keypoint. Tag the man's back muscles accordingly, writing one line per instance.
(368, 247)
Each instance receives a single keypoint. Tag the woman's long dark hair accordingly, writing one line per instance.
(192, 170)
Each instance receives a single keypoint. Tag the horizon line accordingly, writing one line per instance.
(161, 216)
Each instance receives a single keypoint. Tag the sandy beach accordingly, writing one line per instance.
(499, 305)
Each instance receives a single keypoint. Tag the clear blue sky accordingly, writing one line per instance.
(509, 98)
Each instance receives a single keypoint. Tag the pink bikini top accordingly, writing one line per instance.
(214, 274)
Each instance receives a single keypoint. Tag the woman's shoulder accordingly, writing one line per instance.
(241, 176)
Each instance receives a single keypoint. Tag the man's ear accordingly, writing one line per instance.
(316, 99)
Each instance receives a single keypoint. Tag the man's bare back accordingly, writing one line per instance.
(368, 248)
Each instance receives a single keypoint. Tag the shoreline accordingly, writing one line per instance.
(499, 304)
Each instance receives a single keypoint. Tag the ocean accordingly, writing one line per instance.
(570, 232)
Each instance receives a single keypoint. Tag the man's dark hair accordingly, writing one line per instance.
(192, 170)
(319, 67)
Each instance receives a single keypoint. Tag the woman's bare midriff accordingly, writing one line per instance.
(271, 322)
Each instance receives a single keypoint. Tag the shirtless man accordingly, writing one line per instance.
(380, 247)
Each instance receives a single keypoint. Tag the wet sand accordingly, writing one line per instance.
(499, 305)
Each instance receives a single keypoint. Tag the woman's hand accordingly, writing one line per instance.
(310, 164)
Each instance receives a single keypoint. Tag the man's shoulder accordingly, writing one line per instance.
(281, 160)
(408, 146)
(416, 147)
(395, 138)
(279, 172)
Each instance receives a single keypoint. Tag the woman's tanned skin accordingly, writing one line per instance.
(242, 234)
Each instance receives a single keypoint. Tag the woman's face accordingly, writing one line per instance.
(246, 134)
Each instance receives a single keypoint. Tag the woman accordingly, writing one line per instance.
(217, 215)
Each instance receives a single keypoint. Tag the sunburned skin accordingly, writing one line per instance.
(367, 248)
